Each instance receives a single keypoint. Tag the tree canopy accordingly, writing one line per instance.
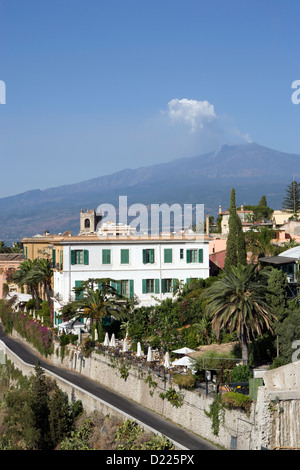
(235, 248)
(291, 202)
(95, 304)
(236, 302)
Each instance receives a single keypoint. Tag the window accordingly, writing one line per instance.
(106, 257)
(168, 255)
(78, 290)
(150, 286)
(194, 256)
(79, 257)
(167, 285)
(148, 255)
(125, 256)
(87, 223)
(53, 258)
(181, 253)
(124, 287)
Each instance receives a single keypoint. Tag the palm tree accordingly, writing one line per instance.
(291, 244)
(42, 272)
(96, 304)
(237, 302)
(258, 241)
(23, 277)
(203, 330)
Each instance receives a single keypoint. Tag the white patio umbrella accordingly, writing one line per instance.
(112, 341)
(106, 340)
(125, 345)
(139, 350)
(185, 362)
(79, 334)
(149, 355)
(167, 362)
(184, 350)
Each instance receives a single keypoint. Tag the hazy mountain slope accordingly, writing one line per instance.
(207, 179)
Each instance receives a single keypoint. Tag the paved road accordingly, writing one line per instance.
(172, 431)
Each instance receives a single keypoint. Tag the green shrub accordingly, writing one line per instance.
(173, 397)
(184, 381)
(67, 339)
(241, 373)
(237, 400)
(44, 313)
(31, 304)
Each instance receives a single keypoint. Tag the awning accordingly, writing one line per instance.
(184, 350)
(277, 260)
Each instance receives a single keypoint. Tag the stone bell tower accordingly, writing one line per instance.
(89, 221)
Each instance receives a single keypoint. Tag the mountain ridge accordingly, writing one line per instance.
(253, 170)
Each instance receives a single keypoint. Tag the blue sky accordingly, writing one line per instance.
(96, 86)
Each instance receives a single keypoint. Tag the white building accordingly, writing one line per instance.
(146, 266)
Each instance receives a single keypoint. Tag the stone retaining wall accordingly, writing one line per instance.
(237, 429)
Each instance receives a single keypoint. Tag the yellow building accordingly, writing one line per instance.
(282, 217)
(9, 263)
(45, 246)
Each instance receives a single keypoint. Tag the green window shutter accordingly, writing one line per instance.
(105, 256)
(168, 255)
(200, 255)
(188, 280)
(26, 255)
(188, 256)
(144, 286)
(73, 257)
(163, 286)
(174, 282)
(53, 257)
(100, 286)
(119, 287)
(131, 289)
(86, 256)
(125, 256)
(156, 286)
(148, 255)
(113, 284)
(78, 295)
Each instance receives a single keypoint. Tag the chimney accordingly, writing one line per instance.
(207, 224)
(220, 209)
(242, 208)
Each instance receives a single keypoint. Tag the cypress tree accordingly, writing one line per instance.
(39, 400)
(60, 416)
(276, 298)
(235, 247)
(240, 243)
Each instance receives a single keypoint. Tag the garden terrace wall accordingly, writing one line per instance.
(272, 423)
(235, 426)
